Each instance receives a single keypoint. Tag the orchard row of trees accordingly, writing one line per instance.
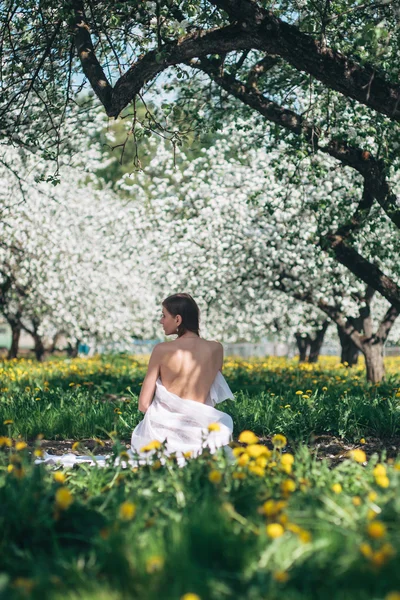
(67, 268)
(236, 226)
(245, 238)
(307, 91)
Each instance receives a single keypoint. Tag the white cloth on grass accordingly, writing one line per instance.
(181, 422)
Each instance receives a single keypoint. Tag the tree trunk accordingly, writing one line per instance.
(349, 351)
(303, 343)
(72, 351)
(316, 345)
(39, 347)
(15, 335)
(373, 353)
(54, 342)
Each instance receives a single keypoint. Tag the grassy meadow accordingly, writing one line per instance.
(280, 521)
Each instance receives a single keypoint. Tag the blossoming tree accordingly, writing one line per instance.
(237, 238)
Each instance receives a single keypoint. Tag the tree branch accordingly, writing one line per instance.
(361, 160)
(196, 43)
(90, 65)
(361, 267)
(363, 83)
(387, 323)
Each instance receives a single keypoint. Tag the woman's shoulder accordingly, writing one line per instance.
(217, 346)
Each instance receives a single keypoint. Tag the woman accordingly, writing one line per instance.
(182, 385)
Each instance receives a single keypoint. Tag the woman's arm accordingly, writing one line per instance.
(220, 357)
(149, 382)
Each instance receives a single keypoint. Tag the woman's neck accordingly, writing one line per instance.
(189, 335)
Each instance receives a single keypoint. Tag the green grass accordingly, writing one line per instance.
(83, 403)
(192, 533)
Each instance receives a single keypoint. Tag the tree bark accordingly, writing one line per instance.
(72, 351)
(39, 347)
(303, 344)
(53, 347)
(373, 353)
(252, 27)
(316, 345)
(15, 336)
(349, 351)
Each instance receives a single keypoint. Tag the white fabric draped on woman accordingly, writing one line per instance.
(180, 422)
(184, 422)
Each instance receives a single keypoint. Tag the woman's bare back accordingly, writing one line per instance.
(188, 366)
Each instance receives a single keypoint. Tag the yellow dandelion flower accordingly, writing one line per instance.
(388, 549)
(379, 470)
(366, 550)
(283, 519)
(372, 496)
(294, 528)
(280, 576)
(256, 450)
(75, 446)
(5, 441)
(38, 452)
(287, 459)
(274, 530)
(305, 536)
(64, 498)
(299, 392)
(154, 563)
(214, 427)
(238, 451)
(356, 500)
(358, 455)
(257, 470)
(8, 422)
(382, 481)
(248, 437)
(261, 461)
(362, 441)
(24, 584)
(337, 488)
(188, 454)
(190, 596)
(238, 475)
(215, 476)
(279, 441)
(21, 446)
(156, 465)
(372, 512)
(376, 529)
(393, 595)
(127, 511)
(324, 389)
(379, 558)
(288, 486)
(154, 445)
(243, 460)
(270, 508)
(59, 477)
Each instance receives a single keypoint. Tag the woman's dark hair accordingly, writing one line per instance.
(186, 307)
